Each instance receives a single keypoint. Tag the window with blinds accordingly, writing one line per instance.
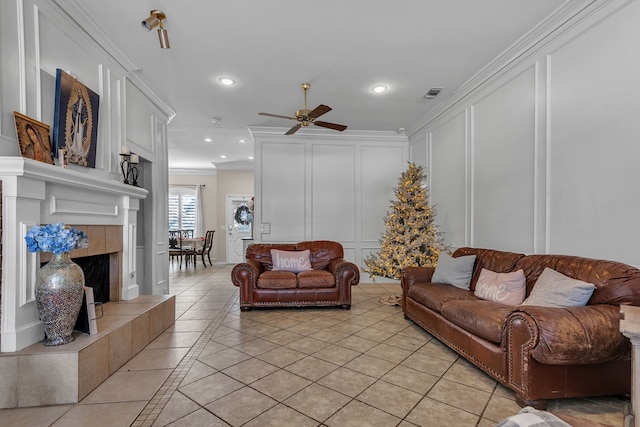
(182, 208)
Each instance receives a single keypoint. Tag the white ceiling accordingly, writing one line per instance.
(270, 47)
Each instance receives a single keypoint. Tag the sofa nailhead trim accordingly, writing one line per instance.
(460, 351)
(526, 349)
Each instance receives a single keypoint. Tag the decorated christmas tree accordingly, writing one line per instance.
(411, 237)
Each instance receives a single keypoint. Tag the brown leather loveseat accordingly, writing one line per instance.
(538, 352)
(327, 283)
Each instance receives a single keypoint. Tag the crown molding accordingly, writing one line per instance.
(153, 97)
(185, 171)
(324, 134)
(546, 31)
(76, 13)
(77, 16)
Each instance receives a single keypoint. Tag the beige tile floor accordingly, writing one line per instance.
(294, 367)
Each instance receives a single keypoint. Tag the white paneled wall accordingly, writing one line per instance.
(332, 167)
(594, 139)
(317, 185)
(36, 38)
(281, 200)
(542, 155)
(447, 177)
(381, 167)
(502, 147)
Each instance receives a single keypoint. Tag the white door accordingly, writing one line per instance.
(239, 222)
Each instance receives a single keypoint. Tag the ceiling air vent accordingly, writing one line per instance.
(433, 92)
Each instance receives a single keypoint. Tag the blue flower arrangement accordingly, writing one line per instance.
(56, 238)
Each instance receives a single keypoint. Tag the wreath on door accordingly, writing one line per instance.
(243, 215)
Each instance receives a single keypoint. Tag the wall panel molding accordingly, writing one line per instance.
(27, 269)
(570, 14)
(63, 205)
(568, 152)
(344, 181)
(22, 58)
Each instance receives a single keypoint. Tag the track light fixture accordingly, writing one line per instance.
(155, 19)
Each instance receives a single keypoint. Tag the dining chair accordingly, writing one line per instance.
(206, 248)
(188, 250)
(175, 246)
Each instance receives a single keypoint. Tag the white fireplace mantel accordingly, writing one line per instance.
(38, 193)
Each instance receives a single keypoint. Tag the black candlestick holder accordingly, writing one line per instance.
(125, 167)
(133, 173)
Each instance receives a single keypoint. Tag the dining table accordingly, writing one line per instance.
(191, 243)
(194, 242)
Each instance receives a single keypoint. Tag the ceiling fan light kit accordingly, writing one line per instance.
(155, 19)
(306, 116)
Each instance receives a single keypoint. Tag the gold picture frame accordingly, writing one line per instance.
(33, 138)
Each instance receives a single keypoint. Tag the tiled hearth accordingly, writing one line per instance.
(39, 375)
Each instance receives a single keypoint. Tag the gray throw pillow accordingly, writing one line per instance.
(454, 271)
(553, 289)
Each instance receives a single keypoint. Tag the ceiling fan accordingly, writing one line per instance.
(306, 116)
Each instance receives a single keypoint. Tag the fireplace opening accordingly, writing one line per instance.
(96, 275)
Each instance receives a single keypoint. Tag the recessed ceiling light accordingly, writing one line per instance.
(223, 157)
(208, 140)
(241, 141)
(379, 88)
(250, 157)
(227, 81)
(216, 120)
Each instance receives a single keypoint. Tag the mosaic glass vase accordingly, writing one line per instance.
(59, 292)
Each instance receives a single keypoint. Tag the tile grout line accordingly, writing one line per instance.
(154, 407)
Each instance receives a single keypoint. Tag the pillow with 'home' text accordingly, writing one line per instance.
(295, 261)
(505, 288)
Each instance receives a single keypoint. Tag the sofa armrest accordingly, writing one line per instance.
(345, 272)
(246, 273)
(413, 275)
(571, 335)
(410, 276)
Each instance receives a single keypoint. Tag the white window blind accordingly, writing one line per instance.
(182, 208)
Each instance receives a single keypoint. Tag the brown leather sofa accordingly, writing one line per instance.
(327, 284)
(538, 352)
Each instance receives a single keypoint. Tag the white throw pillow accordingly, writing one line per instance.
(553, 289)
(505, 288)
(454, 271)
(295, 261)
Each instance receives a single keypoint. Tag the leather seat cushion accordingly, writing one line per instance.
(435, 295)
(482, 318)
(277, 280)
(316, 279)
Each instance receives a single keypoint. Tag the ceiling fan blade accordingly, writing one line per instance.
(293, 129)
(277, 116)
(318, 111)
(333, 126)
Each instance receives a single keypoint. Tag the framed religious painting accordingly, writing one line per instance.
(75, 121)
(33, 138)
